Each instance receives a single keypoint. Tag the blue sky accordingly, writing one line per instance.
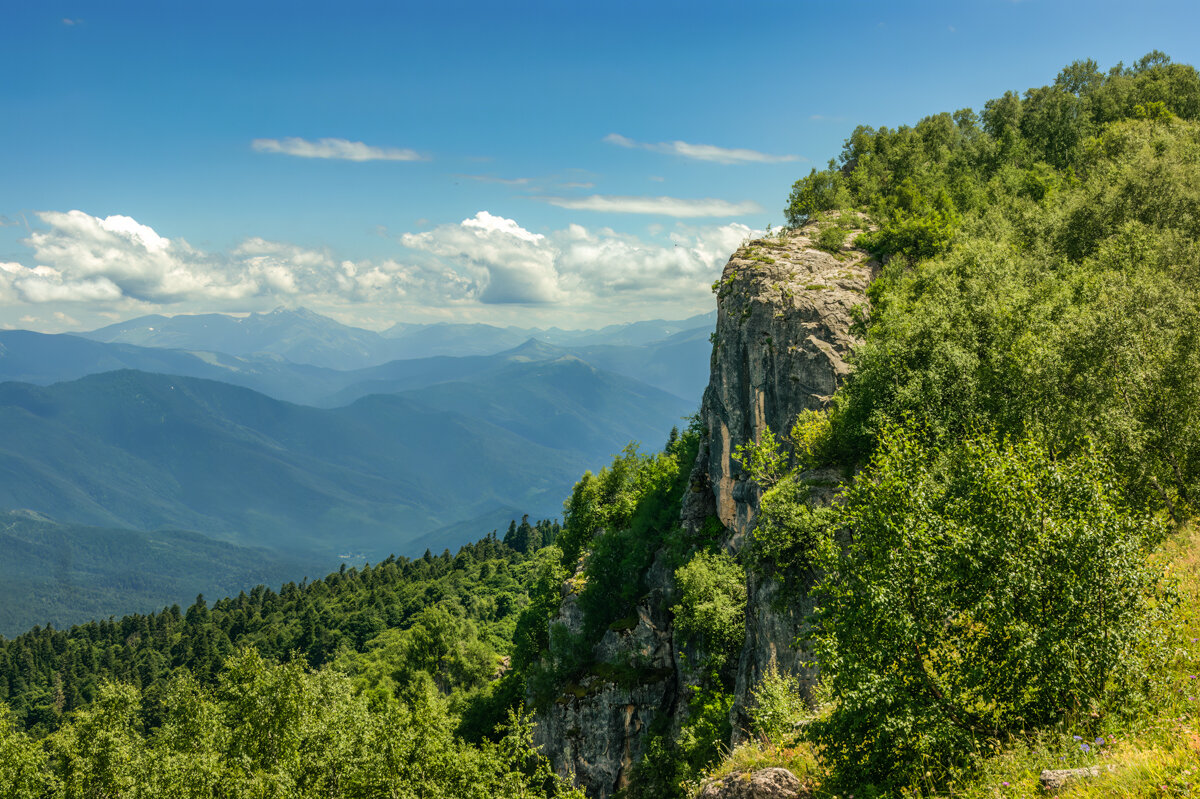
(523, 163)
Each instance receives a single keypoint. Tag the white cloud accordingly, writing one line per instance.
(487, 267)
(702, 152)
(663, 206)
(500, 181)
(339, 149)
(85, 258)
(495, 260)
(501, 262)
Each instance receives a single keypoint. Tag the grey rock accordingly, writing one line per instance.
(768, 783)
(783, 334)
(1054, 780)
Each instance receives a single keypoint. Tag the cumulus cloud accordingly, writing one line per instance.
(702, 152)
(662, 206)
(338, 149)
(487, 261)
(86, 258)
(501, 261)
(498, 261)
(113, 260)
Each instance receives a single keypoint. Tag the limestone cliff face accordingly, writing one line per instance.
(785, 309)
(597, 729)
(784, 312)
(784, 316)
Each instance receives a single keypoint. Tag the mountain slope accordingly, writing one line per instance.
(65, 574)
(130, 449)
(303, 336)
(43, 359)
(299, 335)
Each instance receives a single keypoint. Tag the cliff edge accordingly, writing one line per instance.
(785, 310)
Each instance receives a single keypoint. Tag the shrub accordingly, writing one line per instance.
(831, 238)
(777, 705)
(819, 191)
(787, 531)
(710, 615)
(986, 589)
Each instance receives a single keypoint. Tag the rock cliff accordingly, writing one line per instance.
(784, 313)
(785, 310)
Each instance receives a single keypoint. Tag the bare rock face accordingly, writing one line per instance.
(784, 312)
(597, 728)
(1054, 780)
(769, 783)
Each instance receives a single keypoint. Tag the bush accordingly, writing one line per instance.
(787, 531)
(777, 705)
(987, 589)
(831, 238)
(819, 191)
(710, 616)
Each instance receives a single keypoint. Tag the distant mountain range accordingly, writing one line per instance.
(676, 363)
(304, 337)
(131, 449)
(276, 466)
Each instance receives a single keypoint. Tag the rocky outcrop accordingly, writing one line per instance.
(785, 310)
(768, 783)
(596, 729)
(784, 316)
(1054, 780)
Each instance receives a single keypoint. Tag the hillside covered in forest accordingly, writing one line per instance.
(931, 532)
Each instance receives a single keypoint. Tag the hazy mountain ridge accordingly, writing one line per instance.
(132, 449)
(677, 364)
(306, 337)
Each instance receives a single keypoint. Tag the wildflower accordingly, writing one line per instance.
(1077, 737)
(1099, 741)
(1085, 747)
(1005, 784)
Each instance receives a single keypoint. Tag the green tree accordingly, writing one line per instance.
(985, 589)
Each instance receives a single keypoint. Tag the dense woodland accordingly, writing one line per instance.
(1020, 444)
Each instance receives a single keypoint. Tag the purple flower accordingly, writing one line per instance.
(1085, 747)
(1100, 741)
(1005, 784)
(1077, 737)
